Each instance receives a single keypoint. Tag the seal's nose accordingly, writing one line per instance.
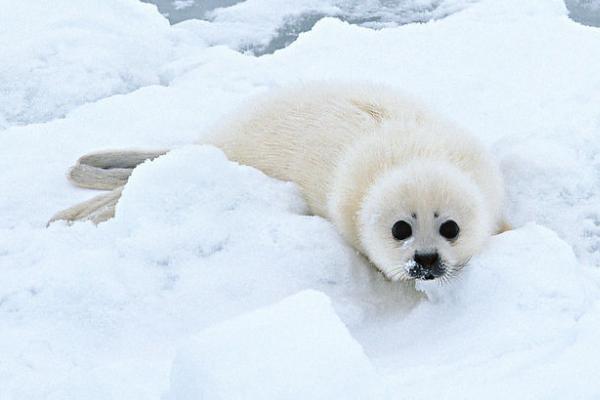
(426, 259)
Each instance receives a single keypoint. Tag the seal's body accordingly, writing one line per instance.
(409, 190)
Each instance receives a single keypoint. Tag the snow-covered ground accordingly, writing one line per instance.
(154, 303)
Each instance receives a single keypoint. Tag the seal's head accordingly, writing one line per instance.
(423, 220)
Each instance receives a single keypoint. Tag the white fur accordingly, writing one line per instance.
(364, 157)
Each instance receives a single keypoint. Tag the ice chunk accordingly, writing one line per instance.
(296, 349)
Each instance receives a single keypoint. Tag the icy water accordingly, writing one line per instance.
(370, 13)
(181, 10)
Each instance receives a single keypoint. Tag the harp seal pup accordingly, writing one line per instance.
(415, 194)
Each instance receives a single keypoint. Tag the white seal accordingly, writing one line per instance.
(411, 191)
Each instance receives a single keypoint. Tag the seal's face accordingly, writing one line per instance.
(423, 221)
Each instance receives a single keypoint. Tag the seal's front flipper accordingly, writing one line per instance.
(503, 227)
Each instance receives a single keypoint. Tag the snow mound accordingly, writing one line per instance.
(296, 349)
(529, 265)
(197, 240)
(247, 235)
(543, 170)
(516, 305)
(179, 188)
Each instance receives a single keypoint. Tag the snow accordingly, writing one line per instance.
(56, 57)
(196, 240)
(199, 241)
(511, 317)
(298, 349)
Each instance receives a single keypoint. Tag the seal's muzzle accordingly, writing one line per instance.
(427, 266)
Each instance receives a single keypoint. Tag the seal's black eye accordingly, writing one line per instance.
(449, 229)
(401, 230)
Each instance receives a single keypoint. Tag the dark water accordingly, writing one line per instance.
(371, 14)
(586, 12)
(196, 9)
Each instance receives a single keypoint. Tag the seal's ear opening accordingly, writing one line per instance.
(503, 227)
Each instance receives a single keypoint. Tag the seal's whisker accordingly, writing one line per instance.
(395, 272)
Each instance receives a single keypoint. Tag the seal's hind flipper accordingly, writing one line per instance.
(119, 158)
(106, 170)
(97, 209)
(89, 177)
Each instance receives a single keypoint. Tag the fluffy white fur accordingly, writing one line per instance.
(366, 157)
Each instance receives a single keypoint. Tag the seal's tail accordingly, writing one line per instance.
(107, 170)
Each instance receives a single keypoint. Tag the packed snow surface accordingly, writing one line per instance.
(199, 241)
(56, 56)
